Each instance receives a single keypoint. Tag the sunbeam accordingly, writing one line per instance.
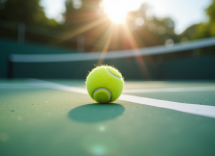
(135, 49)
(84, 28)
(106, 46)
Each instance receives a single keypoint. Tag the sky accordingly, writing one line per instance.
(183, 12)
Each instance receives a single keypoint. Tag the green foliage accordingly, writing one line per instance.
(26, 11)
(189, 33)
(76, 16)
(154, 31)
(211, 11)
(79, 14)
(202, 30)
(31, 14)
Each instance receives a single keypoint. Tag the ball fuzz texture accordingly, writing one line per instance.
(104, 84)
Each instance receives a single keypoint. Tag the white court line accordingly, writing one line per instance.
(202, 110)
(46, 84)
(158, 90)
(16, 86)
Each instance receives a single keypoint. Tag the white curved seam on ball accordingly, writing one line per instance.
(112, 74)
(105, 90)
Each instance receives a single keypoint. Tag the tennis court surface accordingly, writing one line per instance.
(57, 117)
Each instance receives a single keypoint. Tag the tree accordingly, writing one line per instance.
(204, 29)
(32, 15)
(79, 13)
(211, 13)
(26, 11)
(150, 30)
(189, 33)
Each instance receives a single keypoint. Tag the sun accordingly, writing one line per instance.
(118, 9)
(117, 17)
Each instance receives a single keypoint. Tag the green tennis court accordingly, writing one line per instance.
(57, 117)
(152, 61)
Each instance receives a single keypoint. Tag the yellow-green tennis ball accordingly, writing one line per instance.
(104, 84)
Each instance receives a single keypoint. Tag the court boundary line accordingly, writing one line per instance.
(17, 86)
(161, 90)
(196, 109)
(154, 90)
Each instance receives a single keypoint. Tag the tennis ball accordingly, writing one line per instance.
(104, 84)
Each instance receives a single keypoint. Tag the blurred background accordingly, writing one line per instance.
(49, 28)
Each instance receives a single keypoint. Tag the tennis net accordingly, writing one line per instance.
(145, 63)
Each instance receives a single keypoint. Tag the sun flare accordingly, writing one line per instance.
(118, 9)
(117, 17)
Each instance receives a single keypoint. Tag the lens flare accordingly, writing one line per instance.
(98, 150)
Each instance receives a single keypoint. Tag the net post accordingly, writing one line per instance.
(9, 68)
